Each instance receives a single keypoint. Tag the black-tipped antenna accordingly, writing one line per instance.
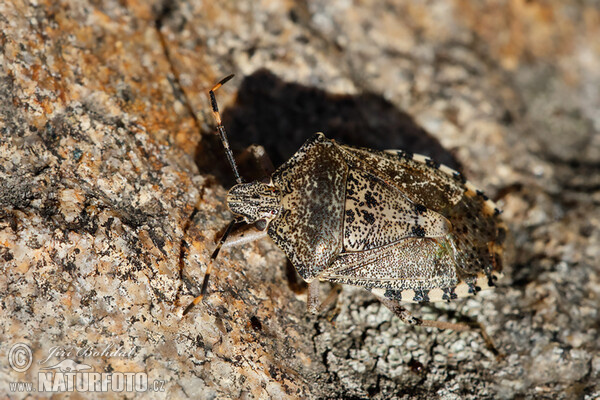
(221, 128)
(238, 179)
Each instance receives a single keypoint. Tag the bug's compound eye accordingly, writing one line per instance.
(261, 224)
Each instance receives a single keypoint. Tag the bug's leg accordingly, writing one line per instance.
(406, 317)
(245, 234)
(209, 267)
(331, 297)
(313, 301)
(255, 158)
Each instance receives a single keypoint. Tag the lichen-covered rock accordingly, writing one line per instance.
(112, 190)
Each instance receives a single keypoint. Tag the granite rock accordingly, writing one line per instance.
(112, 188)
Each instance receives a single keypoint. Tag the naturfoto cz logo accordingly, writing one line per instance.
(70, 375)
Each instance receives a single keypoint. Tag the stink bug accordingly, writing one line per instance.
(398, 224)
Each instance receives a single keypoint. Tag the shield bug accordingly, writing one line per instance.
(399, 224)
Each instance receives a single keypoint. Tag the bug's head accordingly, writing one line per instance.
(254, 201)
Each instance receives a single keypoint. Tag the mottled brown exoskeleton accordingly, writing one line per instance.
(398, 224)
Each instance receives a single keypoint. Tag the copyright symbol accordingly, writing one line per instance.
(20, 357)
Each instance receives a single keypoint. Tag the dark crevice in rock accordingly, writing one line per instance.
(164, 13)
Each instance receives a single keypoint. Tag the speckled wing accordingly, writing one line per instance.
(407, 264)
(377, 214)
(420, 179)
(474, 246)
(412, 270)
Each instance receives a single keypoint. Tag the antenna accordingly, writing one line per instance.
(238, 179)
(221, 128)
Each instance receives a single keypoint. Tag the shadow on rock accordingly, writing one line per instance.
(280, 116)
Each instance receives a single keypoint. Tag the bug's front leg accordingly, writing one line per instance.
(244, 234)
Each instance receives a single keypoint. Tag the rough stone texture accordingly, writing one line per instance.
(112, 188)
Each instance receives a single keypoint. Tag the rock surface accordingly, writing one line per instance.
(112, 189)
